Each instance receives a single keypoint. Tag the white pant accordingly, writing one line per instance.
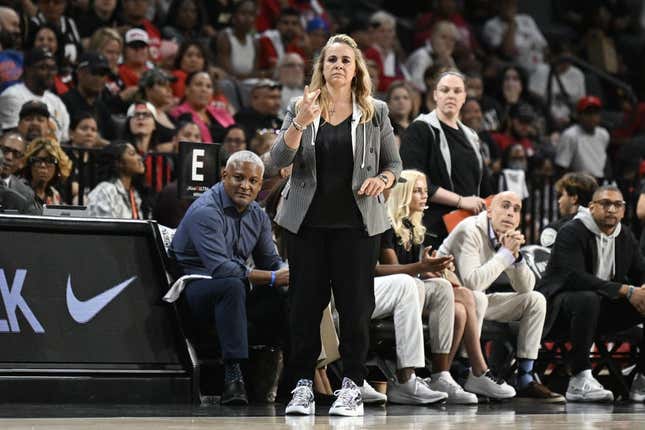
(438, 299)
(527, 308)
(397, 296)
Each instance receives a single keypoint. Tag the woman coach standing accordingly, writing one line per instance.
(341, 145)
(448, 153)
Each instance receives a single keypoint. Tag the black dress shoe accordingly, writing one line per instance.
(234, 394)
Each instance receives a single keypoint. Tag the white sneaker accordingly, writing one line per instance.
(371, 396)
(302, 402)
(489, 385)
(413, 392)
(585, 388)
(349, 402)
(456, 394)
(637, 391)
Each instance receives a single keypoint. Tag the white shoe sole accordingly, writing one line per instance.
(374, 402)
(301, 410)
(462, 401)
(402, 400)
(638, 398)
(582, 399)
(342, 412)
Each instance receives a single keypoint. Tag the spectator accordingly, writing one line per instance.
(594, 285)
(263, 140)
(118, 194)
(34, 120)
(84, 134)
(101, 14)
(438, 49)
(212, 121)
(234, 140)
(471, 116)
(290, 73)
(47, 167)
(514, 171)
(491, 110)
(10, 34)
(565, 87)
(135, 56)
(141, 127)
(452, 313)
(170, 209)
(154, 87)
(236, 48)
(46, 37)
(384, 50)
(264, 109)
(134, 17)
(273, 44)
(575, 191)
(53, 13)
(38, 77)
(447, 152)
(109, 43)
(191, 58)
(87, 96)
(11, 200)
(513, 89)
(484, 247)
(515, 36)
(446, 11)
(401, 100)
(13, 147)
(520, 128)
(317, 33)
(583, 147)
(210, 242)
(185, 21)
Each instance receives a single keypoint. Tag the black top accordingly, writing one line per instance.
(465, 167)
(164, 134)
(252, 121)
(334, 205)
(76, 105)
(389, 240)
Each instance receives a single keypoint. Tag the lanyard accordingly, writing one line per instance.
(133, 205)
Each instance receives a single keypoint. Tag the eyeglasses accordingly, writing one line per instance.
(606, 204)
(47, 161)
(14, 152)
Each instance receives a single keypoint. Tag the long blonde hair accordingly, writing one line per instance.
(398, 208)
(361, 83)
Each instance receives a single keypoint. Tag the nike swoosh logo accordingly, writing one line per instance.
(83, 311)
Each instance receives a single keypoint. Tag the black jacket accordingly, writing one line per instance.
(573, 262)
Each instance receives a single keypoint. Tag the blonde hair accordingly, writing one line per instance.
(398, 208)
(102, 36)
(361, 83)
(53, 148)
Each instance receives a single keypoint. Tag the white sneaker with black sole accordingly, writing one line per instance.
(349, 402)
(488, 385)
(456, 394)
(302, 402)
(371, 396)
(413, 392)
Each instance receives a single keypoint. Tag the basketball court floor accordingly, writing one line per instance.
(512, 415)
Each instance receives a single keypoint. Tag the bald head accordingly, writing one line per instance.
(10, 25)
(505, 211)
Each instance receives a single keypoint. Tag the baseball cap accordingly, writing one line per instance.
(155, 76)
(95, 61)
(137, 36)
(37, 55)
(522, 111)
(317, 23)
(266, 83)
(589, 102)
(34, 107)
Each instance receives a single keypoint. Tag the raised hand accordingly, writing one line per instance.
(309, 109)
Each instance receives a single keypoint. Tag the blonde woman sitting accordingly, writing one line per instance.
(455, 313)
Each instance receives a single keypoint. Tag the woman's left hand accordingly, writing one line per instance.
(372, 187)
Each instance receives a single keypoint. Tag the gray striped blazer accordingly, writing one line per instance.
(374, 152)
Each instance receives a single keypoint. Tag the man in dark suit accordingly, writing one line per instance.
(11, 200)
(13, 147)
(594, 285)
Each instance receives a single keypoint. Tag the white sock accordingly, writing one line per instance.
(584, 374)
(439, 374)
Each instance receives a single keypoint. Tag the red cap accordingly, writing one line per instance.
(587, 102)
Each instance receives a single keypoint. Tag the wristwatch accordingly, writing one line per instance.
(383, 178)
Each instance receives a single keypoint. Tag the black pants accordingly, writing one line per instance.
(584, 314)
(322, 260)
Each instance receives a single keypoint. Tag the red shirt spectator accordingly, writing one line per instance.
(285, 38)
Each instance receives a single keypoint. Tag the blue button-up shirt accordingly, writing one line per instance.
(215, 239)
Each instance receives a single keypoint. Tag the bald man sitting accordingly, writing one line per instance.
(486, 245)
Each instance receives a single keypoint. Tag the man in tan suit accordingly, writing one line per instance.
(486, 245)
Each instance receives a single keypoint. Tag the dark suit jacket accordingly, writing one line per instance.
(18, 186)
(573, 261)
(11, 200)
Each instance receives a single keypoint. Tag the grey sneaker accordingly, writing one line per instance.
(413, 392)
(585, 388)
(637, 391)
(456, 395)
(489, 385)
(349, 402)
(371, 396)
(302, 402)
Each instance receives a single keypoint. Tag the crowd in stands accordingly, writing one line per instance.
(97, 96)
